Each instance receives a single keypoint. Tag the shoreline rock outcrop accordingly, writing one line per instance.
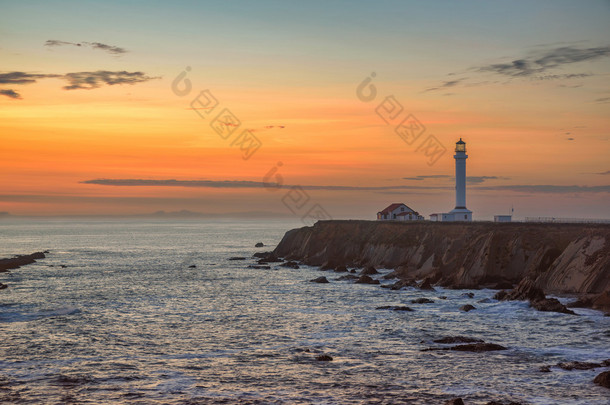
(556, 258)
(21, 260)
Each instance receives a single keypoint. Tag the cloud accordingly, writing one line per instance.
(23, 77)
(10, 93)
(536, 65)
(242, 184)
(544, 60)
(236, 184)
(603, 100)
(93, 80)
(115, 50)
(469, 179)
(434, 176)
(548, 188)
(76, 80)
(446, 84)
(604, 173)
(481, 179)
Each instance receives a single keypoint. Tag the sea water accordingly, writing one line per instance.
(117, 314)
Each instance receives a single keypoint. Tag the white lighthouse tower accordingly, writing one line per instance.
(460, 212)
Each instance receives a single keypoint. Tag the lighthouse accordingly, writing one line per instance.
(460, 212)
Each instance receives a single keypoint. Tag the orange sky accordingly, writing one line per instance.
(520, 130)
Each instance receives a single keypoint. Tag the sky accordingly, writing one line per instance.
(329, 109)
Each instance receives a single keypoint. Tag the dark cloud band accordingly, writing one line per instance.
(115, 50)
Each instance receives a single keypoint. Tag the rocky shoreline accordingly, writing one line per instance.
(528, 259)
(18, 261)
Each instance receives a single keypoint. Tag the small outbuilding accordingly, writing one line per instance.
(503, 218)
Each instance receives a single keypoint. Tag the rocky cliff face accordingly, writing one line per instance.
(559, 258)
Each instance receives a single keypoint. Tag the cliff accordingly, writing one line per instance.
(558, 258)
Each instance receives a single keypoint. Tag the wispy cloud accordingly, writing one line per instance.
(446, 84)
(76, 80)
(236, 184)
(115, 50)
(603, 100)
(469, 179)
(542, 61)
(433, 176)
(93, 80)
(604, 173)
(10, 93)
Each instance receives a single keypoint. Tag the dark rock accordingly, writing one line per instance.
(426, 284)
(457, 339)
(545, 369)
(262, 255)
(192, 266)
(63, 266)
(341, 269)
(366, 280)
(369, 270)
(478, 347)
(442, 297)
(328, 266)
(402, 284)
(603, 379)
(551, 305)
(259, 266)
(271, 258)
(3, 286)
(352, 271)
(467, 308)
(455, 401)
(501, 295)
(237, 258)
(319, 280)
(422, 301)
(46, 251)
(525, 290)
(259, 244)
(395, 308)
(578, 365)
(606, 363)
(467, 295)
(503, 285)
(324, 357)
(502, 403)
(484, 301)
(290, 264)
(18, 261)
(347, 277)
(391, 275)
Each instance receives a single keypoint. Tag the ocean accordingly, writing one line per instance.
(117, 313)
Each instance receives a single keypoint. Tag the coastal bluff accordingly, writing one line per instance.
(557, 258)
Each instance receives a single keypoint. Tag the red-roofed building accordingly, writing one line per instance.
(398, 212)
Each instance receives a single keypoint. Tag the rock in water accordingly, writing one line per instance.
(290, 264)
(324, 357)
(366, 280)
(369, 270)
(3, 286)
(526, 290)
(321, 280)
(467, 308)
(551, 305)
(395, 308)
(422, 301)
(457, 339)
(544, 369)
(455, 401)
(603, 379)
(192, 266)
(578, 365)
(237, 258)
(478, 347)
(259, 244)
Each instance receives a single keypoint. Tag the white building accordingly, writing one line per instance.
(460, 212)
(503, 218)
(398, 212)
